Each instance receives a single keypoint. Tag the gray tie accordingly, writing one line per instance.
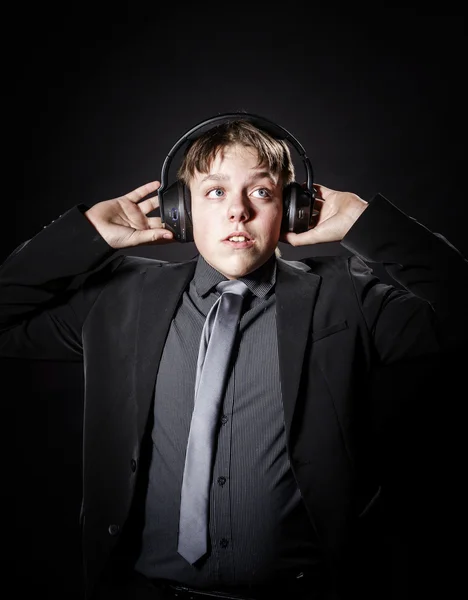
(216, 344)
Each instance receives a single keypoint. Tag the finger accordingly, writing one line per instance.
(151, 236)
(316, 211)
(155, 223)
(312, 236)
(318, 203)
(148, 205)
(322, 191)
(141, 192)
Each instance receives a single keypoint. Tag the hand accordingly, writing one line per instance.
(123, 223)
(336, 214)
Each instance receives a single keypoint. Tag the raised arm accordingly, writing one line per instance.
(42, 303)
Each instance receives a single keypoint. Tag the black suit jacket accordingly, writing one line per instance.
(66, 295)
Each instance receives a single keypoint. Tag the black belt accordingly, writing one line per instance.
(184, 593)
(297, 590)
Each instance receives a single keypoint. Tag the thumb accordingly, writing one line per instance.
(145, 237)
(306, 238)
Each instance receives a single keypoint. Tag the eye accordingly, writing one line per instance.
(215, 193)
(262, 193)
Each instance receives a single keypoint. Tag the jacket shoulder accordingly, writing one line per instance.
(317, 264)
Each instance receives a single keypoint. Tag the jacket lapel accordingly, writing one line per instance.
(296, 293)
(163, 287)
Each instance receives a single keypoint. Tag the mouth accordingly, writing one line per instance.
(239, 240)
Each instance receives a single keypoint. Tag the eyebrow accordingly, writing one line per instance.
(256, 175)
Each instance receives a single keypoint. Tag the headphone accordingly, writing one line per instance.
(175, 200)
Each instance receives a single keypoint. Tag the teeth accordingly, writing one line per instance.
(237, 238)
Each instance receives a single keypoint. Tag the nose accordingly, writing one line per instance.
(239, 209)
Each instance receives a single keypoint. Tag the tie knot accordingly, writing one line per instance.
(233, 286)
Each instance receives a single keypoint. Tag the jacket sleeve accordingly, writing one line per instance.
(427, 312)
(42, 305)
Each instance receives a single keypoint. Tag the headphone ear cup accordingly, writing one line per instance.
(175, 206)
(186, 202)
(297, 208)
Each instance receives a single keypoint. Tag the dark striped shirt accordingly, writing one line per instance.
(258, 525)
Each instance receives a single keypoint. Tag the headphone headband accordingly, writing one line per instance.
(175, 199)
(275, 130)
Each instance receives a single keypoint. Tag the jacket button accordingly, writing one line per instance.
(133, 465)
(113, 529)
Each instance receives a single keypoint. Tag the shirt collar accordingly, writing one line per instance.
(259, 282)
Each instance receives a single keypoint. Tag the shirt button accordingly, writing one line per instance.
(224, 543)
(113, 529)
(221, 480)
(133, 465)
(224, 419)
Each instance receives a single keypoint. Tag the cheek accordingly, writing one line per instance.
(197, 217)
(274, 224)
(203, 226)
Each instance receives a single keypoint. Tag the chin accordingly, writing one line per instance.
(235, 271)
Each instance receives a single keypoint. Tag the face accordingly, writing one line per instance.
(236, 212)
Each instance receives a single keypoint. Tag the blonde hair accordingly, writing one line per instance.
(273, 153)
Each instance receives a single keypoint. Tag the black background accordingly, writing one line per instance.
(95, 100)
